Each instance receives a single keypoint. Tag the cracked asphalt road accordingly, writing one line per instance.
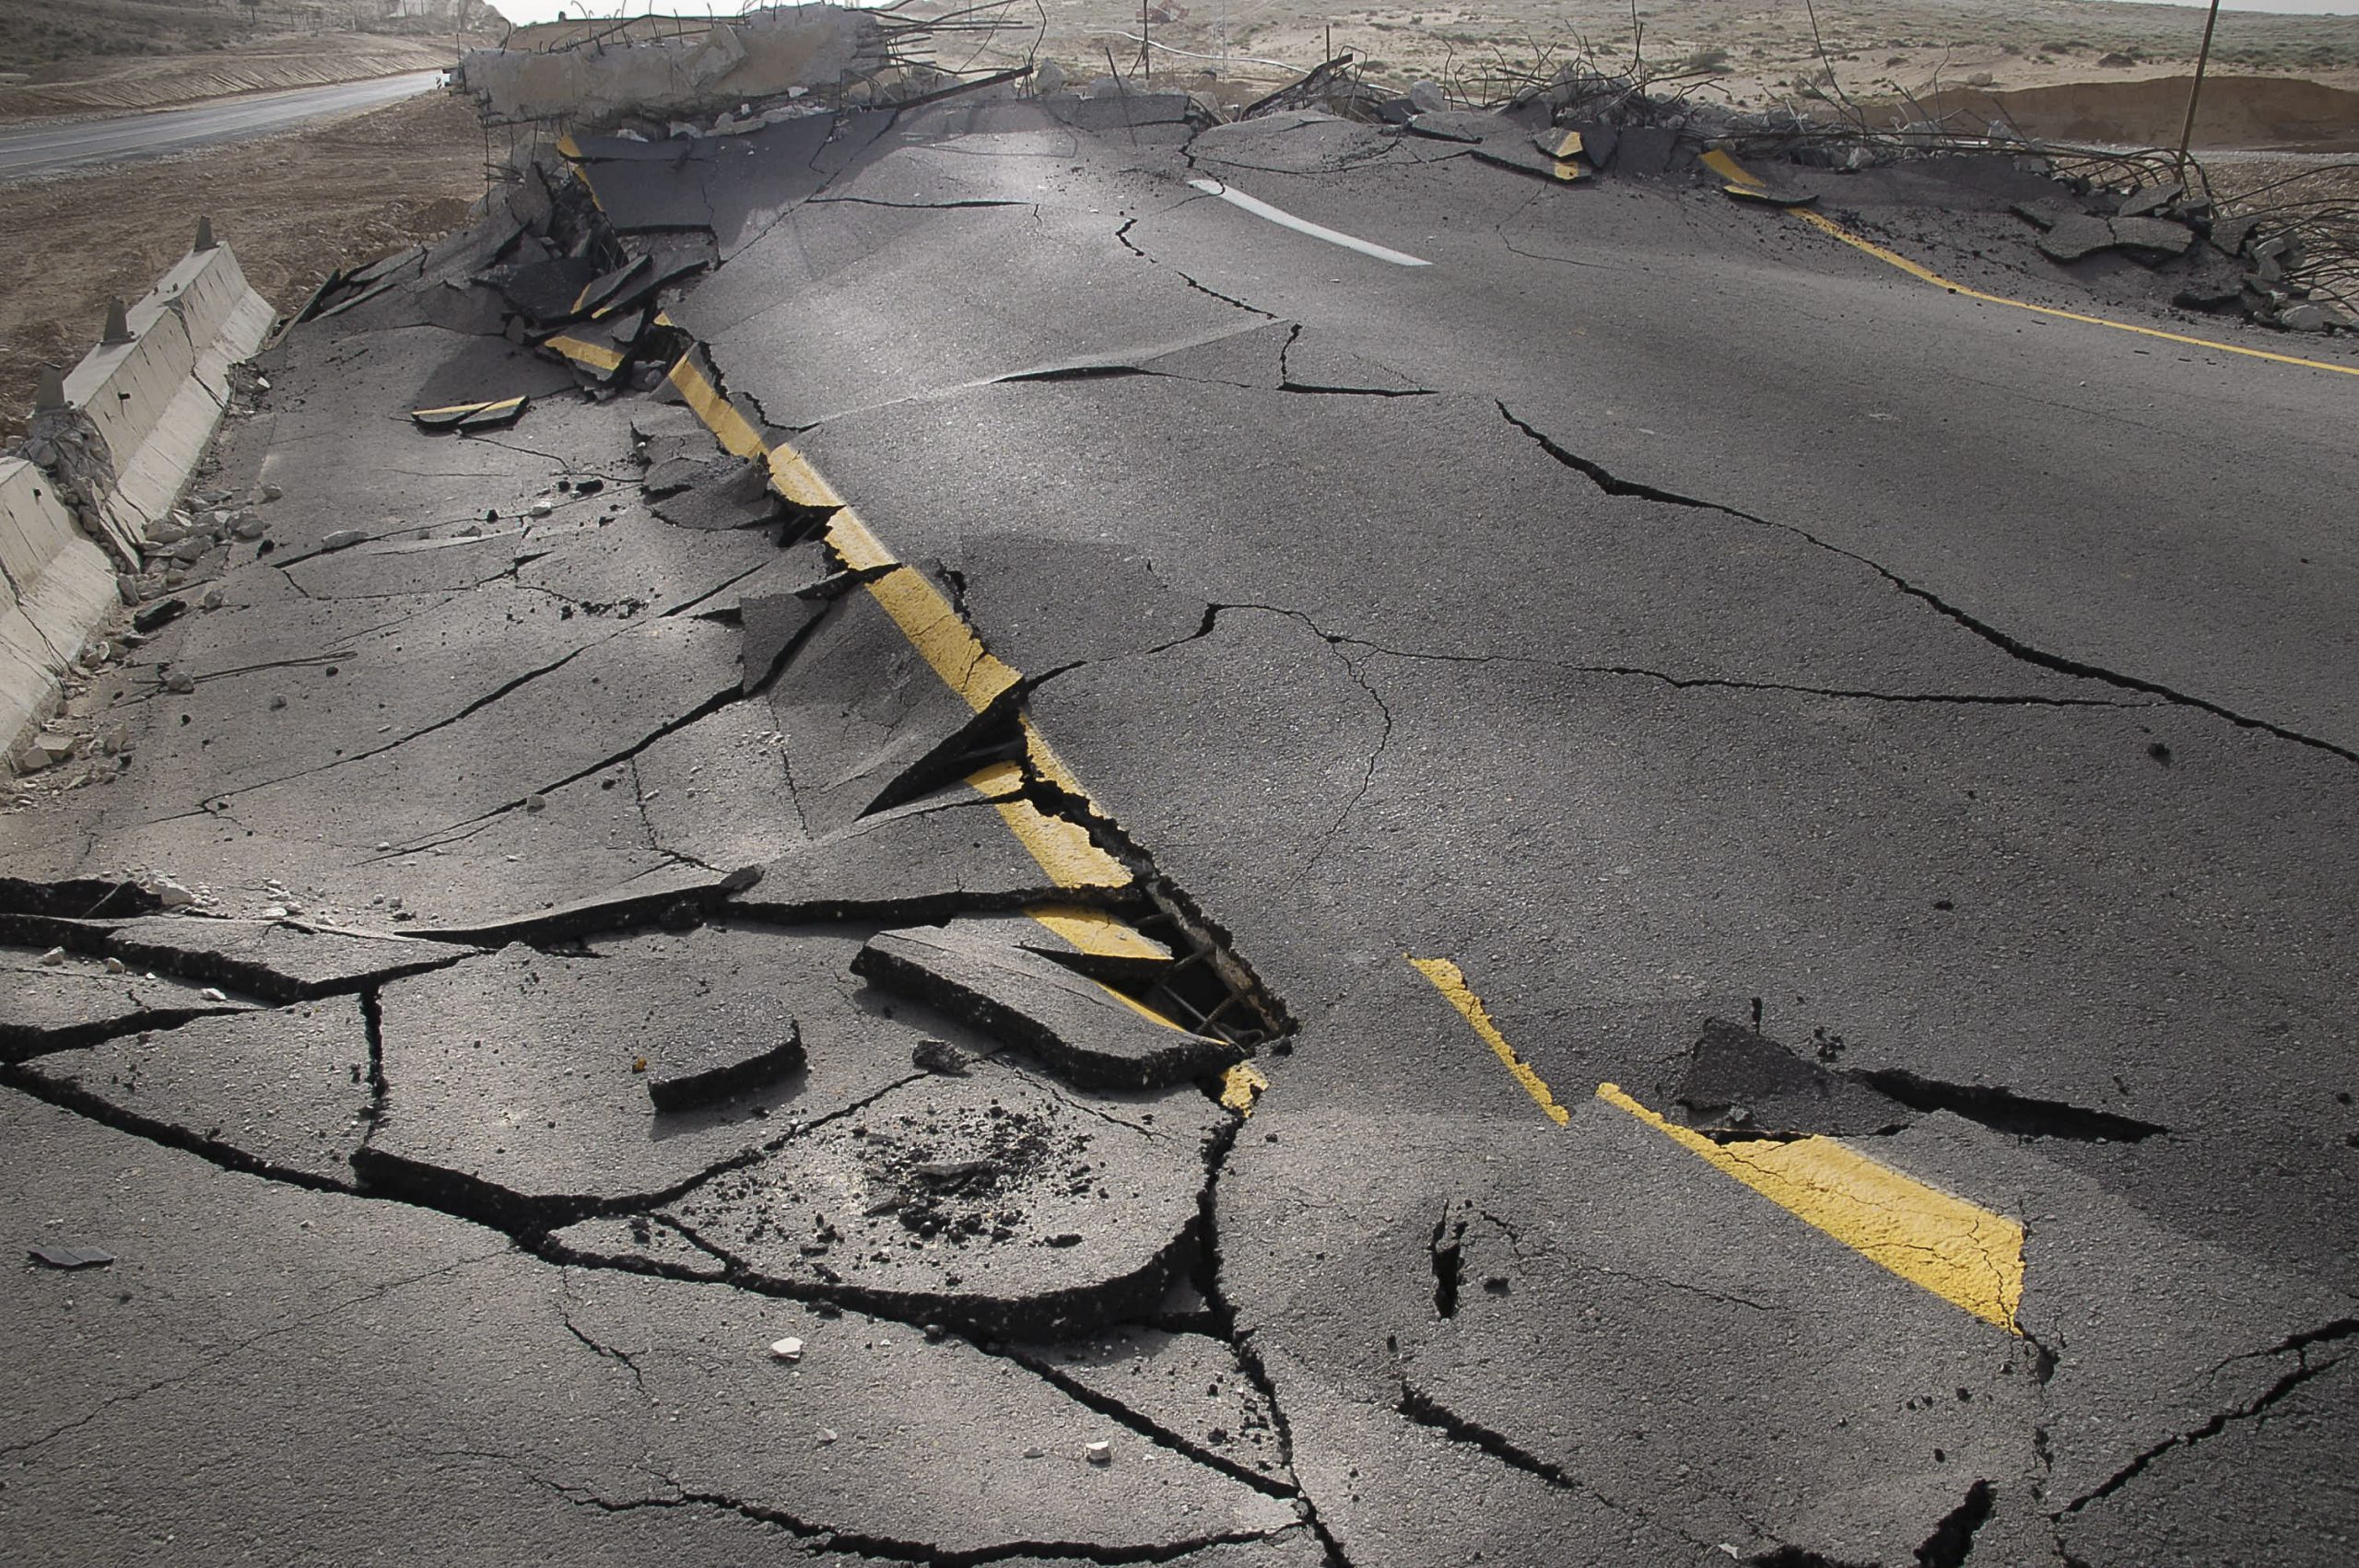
(657, 1067)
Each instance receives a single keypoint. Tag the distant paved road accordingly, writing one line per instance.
(52, 149)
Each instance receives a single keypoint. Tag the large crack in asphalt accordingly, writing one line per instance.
(2014, 647)
(2304, 1368)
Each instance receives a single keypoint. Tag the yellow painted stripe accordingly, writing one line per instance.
(792, 476)
(946, 642)
(1960, 1251)
(937, 631)
(568, 148)
(925, 617)
(1568, 146)
(1098, 933)
(1568, 170)
(1827, 226)
(1064, 849)
(1448, 980)
(1727, 168)
(731, 428)
(466, 407)
(856, 544)
(593, 354)
(1240, 1086)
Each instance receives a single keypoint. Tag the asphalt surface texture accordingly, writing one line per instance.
(1036, 867)
(63, 146)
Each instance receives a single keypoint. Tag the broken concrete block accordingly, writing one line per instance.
(991, 1201)
(1467, 125)
(864, 717)
(2157, 234)
(286, 1093)
(943, 855)
(1599, 142)
(773, 623)
(2075, 235)
(706, 1067)
(264, 958)
(1743, 1082)
(1647, 149)
(2152, 200)
(1083, 1031)
(723, 495)
(507, 1078)
(74, 1003)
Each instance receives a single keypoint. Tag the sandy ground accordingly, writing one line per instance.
(116, 85)
(290, 207)
(1748, 52)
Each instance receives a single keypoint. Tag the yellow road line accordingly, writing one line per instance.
(1098, 931)
(1240, 1086)
(1448, 980)
(591, 353)
(732, 429)
(1960, 1251)
(1727, 168)
(792, 476)
(950, 644)
(1063, 849)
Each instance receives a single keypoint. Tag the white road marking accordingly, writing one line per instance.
(1304, 225)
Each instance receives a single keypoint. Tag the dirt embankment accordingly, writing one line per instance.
(120, 85)
(290, 207)
(2271, 112)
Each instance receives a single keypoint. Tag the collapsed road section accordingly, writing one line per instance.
(770, 914)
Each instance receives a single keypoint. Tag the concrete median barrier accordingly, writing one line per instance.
(59, 588)
(155, 392)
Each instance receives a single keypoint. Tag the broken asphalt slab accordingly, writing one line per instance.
(987, 1199)
(1078, 1029)
(420, 1356)
(515, 1082)
(289, 1093)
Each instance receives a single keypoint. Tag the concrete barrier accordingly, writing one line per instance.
(59, 588)
(156, 396)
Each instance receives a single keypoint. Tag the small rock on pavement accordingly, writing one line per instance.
(939, 1056)
(180, 681)
(343, 539)
(787, 1349)
(54, 957)
(1100, 1453)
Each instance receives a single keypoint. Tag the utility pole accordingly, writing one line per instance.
(2195, 93)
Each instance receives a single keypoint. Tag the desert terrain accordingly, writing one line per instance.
(296, 205)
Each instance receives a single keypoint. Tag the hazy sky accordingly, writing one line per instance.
(521, 11)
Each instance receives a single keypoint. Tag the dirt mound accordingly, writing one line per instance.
(2238, 111)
